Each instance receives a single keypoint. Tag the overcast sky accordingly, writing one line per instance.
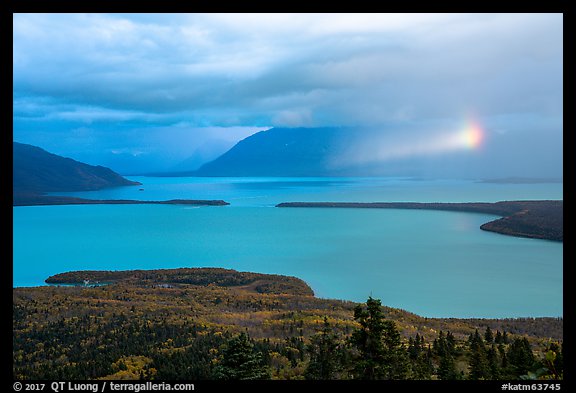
(147, 91)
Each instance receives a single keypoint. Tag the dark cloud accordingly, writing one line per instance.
(152, 72)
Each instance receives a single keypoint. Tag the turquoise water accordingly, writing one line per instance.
(433, 263)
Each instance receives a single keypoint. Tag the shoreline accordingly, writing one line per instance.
(257, 284)
(45, 200)
(541, 219)
(77, 284)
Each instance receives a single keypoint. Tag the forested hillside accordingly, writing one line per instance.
(36, 172)
(197, 324)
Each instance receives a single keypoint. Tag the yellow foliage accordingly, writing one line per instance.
(130, 368)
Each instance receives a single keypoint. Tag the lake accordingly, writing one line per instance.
(432, 263)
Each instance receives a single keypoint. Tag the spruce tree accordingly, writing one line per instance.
(447, 368)
(478, 359)
(451, 343)
(520, 357)
(420, 358)
(503, 357)
(323, 348)
(498, 338)
(493, 362)
(415, 347)
(439, 344)
(427, 365)
(239, 361)
(377, 340)
(446, 350)
(488, 336)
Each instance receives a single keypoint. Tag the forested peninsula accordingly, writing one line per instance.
(42, 200)
(534, 219)
(210, 323)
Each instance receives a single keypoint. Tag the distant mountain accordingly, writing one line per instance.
(36, 171)
(282, 152)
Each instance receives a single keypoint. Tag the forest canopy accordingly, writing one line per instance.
(204, 324)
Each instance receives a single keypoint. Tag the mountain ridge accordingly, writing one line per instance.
(36, 171)
(281, 152)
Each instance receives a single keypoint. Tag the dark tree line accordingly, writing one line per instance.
(375, 351)
(94, 346)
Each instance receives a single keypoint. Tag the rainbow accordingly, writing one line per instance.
(471, 136)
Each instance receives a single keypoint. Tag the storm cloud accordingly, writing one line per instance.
(158, 86)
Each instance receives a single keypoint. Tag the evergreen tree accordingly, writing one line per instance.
(323, 349)
(445, 344)
(520, 357)
(377, 340)
(494, 362)
(446, 349)
(478, 358)
(439, 344)
(428, 366)
(420, 358)
(498, 337)
(239, 361)
(451, 343)
(447, 368)
(414, 347)
(488, 336)
(503, 357)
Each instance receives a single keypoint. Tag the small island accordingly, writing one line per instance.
(532, 219)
